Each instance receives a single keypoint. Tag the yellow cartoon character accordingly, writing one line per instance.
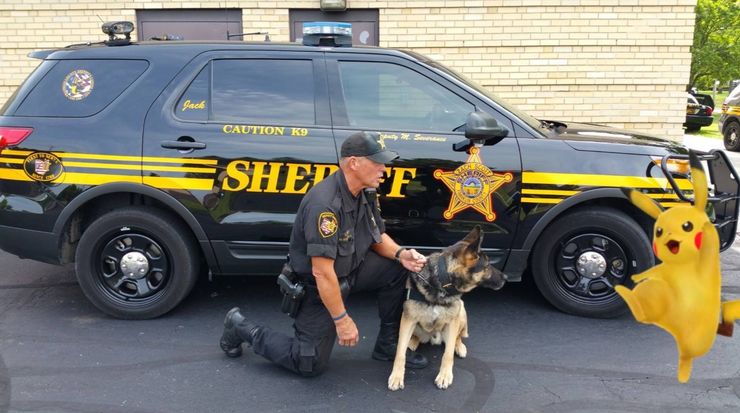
(682, 294)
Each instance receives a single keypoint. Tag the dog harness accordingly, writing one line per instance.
(446, 285)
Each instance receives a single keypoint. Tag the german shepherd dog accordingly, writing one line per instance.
(434, 311)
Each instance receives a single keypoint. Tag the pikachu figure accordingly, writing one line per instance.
(682, 294)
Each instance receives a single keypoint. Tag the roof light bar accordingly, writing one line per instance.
(329, 34)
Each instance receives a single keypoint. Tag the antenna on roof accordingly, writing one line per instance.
(229, 36)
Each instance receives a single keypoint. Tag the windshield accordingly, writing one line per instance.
(525, 117)
(734, 95)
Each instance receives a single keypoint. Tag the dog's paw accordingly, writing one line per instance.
(436, 338)
(444, 379)
(461, 350)
(414, 343)
(395, 381)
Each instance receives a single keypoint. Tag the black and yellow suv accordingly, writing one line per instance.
(729, 120)
(149, 164)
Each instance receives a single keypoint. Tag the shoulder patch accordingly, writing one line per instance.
(328, 224)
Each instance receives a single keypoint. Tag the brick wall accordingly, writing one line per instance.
(619, 62)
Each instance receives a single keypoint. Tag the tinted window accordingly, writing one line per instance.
(268, 91)
(389, 96)
(194, 103)
(79, 88)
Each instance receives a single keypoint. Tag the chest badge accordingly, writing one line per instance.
(472, 184)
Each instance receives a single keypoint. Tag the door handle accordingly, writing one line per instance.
(183, 145)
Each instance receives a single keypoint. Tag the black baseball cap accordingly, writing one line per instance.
(369, 145)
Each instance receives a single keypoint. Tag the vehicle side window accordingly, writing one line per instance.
(80, 88)
(194, 103)
(267, 91)
(390, 96)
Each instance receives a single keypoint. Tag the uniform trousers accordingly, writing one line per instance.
(307, 351)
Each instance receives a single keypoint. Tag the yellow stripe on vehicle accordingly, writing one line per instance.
(11, 160)
(540, 200)
(600, 180)
(549, 192)
(133, 167)
(179, 169)
(145, 159)
(163, 182)
(16, 153)
(97, 179)
(13, 175)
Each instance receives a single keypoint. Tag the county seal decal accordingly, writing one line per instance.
(472, 184)
(42, 166)
(78, 84)
(328, 224)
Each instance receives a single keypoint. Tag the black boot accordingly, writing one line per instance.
(236, 331)
(385, 347)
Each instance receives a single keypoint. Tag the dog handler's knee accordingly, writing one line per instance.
(311, 361)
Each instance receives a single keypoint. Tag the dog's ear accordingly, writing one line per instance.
(474, 240)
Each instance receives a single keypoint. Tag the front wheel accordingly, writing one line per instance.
(136, 263)
(580, 257)
(732, 136)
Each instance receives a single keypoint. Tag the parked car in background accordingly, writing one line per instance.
(697, 115)
(729, 121)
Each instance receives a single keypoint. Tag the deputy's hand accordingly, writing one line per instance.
(347, 333)
(412, 260)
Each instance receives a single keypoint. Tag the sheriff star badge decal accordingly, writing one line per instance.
(472, 184)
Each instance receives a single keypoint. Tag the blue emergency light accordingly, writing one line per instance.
(329, 34)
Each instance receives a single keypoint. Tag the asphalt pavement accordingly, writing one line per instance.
(59, 354)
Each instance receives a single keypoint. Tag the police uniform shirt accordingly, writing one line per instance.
(332, 223)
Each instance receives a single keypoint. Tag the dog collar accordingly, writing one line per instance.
(444, 280)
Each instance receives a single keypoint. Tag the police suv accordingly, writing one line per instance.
(150, 164)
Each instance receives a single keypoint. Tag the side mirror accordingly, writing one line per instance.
(480, 127)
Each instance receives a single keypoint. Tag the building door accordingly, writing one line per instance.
(197, 24)
(364, 24)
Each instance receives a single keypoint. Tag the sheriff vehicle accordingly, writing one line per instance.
(150, 164)
(729, 120)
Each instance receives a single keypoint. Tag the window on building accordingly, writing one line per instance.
(189, 24)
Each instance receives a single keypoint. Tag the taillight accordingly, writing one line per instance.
(10, 136)
(709, 111)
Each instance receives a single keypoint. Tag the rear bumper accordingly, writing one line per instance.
(25, 243)
(698, 120)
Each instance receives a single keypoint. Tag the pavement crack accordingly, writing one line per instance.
(560, 399)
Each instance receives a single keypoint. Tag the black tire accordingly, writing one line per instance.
(732, 136)
(162, 257)
(621, 244)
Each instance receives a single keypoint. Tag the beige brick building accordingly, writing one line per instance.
(623, 63)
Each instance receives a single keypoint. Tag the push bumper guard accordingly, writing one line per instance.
(724, 187)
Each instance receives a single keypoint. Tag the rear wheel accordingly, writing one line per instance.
(581, 257)
(136, 263)
(732, 136)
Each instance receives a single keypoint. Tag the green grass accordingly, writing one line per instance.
(711, 131)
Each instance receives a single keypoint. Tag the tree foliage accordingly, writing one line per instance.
(716, 48)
